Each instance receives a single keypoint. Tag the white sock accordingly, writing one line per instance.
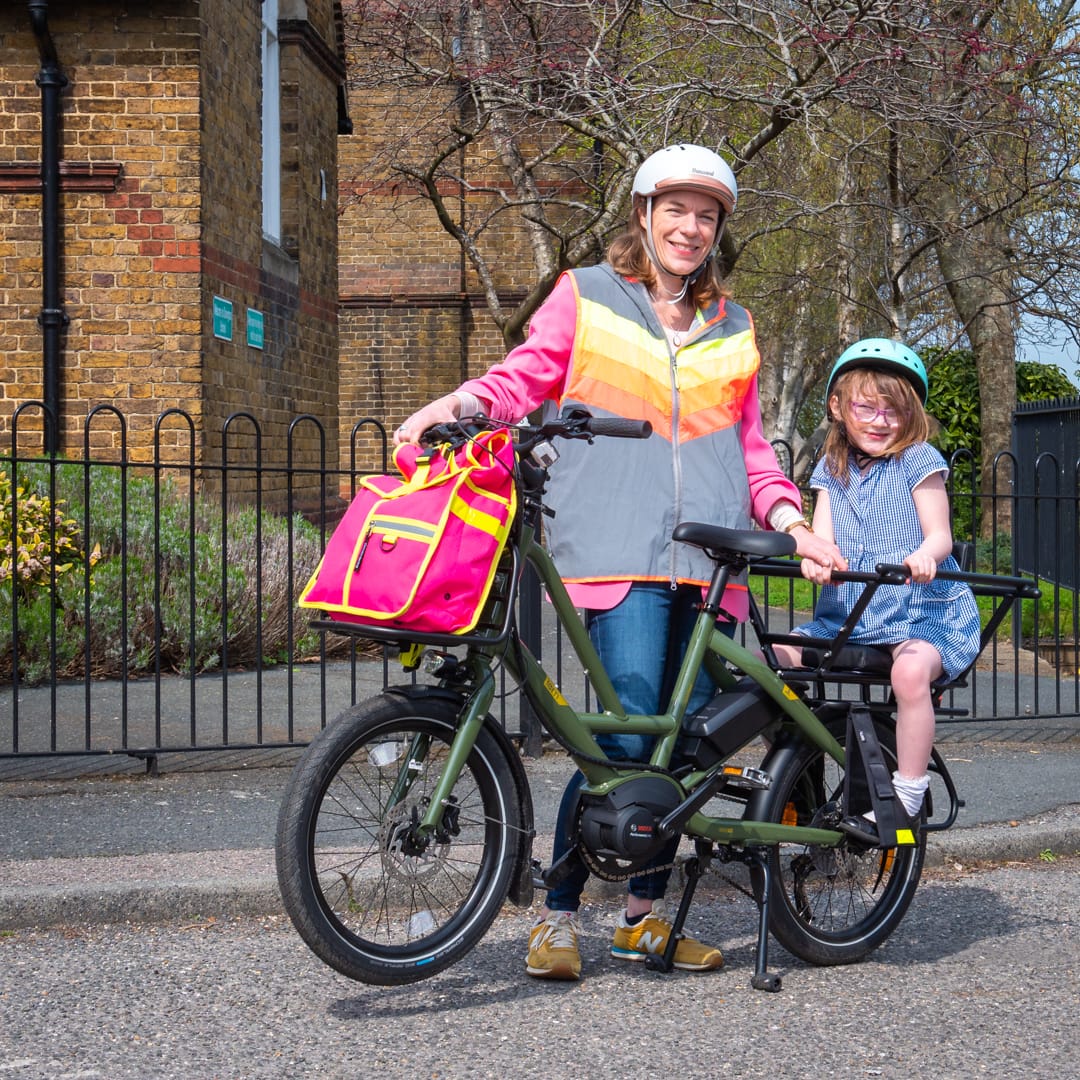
(910, 791)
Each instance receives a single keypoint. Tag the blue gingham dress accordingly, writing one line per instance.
(875, 521)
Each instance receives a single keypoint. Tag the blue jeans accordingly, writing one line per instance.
(641, 643)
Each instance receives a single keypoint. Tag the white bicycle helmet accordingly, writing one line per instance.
(685, 167)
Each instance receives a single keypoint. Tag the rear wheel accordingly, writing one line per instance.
(831, 905)
(371, 896)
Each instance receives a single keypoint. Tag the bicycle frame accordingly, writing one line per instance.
(577, 729)
(836, 893)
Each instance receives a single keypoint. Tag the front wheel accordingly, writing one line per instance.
(373, 897)
(831, 905)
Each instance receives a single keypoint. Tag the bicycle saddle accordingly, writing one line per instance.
(741, 543)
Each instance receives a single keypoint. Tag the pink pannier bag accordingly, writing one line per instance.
(420, 553)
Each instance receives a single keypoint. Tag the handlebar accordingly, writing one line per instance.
(613, 427)
(1001, 585)
(570, 424)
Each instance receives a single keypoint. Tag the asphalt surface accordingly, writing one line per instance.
(191, 842)
(141, 936)
(981, 980)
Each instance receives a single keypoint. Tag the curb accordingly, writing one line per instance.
(1057, 832)
(256, 894)
(44, 907)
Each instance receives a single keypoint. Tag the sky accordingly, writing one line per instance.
(1062, 351)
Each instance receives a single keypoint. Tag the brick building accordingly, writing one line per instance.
(414, 320)
(168, 231)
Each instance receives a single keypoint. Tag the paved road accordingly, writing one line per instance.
(169, 957)
(982, 979)
(179, 845)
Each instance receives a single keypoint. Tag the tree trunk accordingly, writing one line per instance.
(980, 291)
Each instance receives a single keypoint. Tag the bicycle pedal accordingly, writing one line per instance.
(751, 779)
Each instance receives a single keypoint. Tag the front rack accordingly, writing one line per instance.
(494, 627)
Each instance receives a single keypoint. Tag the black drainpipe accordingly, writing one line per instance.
(52, 319)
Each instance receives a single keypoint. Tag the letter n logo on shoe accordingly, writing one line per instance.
(649, 943)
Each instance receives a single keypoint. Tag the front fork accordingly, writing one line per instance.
(477, 705)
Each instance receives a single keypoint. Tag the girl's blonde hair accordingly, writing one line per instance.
(628, 256)
(895, 390)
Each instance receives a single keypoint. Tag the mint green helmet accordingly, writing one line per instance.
(882, 354)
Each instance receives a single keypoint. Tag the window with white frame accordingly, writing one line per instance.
(271, 123)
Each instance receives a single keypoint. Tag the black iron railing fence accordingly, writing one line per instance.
(147, 598)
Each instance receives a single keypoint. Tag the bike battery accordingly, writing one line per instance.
(725, 723)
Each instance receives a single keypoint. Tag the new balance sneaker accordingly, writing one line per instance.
(553, 947)
(651, 936)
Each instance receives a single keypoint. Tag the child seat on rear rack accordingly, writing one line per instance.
(840, 664)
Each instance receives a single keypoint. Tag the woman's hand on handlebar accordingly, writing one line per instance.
(443, 410)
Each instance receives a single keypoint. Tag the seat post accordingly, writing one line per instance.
(717, 585)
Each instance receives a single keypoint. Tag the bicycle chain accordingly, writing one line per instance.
(714, 869)
(602, 872)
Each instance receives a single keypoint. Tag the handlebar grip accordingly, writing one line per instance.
(893, 573)
(455, 432)
(616, 427)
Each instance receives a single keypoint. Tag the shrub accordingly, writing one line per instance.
(38, 543)
(954, 395)
(176, 584)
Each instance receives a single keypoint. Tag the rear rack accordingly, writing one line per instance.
(868, 665)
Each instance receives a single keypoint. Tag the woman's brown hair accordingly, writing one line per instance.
(628, 256)
(914, 424)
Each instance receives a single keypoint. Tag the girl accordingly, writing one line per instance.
(881, 498)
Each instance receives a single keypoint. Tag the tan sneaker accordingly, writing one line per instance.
(651, 936)
(553, 947)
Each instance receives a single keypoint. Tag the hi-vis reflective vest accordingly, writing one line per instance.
(617, 501)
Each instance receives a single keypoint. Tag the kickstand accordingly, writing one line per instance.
(758, 861)
(665, 961)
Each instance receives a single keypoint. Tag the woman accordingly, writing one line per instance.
(648, 335)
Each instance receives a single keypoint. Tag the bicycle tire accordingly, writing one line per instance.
(362, 902)
(830, 905)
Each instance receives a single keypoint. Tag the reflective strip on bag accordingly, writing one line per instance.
(391, 527)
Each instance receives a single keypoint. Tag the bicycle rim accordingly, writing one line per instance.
(833, 905)
(368, 898)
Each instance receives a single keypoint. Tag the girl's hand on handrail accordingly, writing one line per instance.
(923, 567)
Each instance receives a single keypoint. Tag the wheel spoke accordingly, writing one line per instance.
(377, 896)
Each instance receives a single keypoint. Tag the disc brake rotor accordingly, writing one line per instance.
(402, 858)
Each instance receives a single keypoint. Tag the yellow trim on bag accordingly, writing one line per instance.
(479, 519)
(391, 528)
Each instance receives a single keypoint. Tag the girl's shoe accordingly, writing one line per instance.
(863, 827)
